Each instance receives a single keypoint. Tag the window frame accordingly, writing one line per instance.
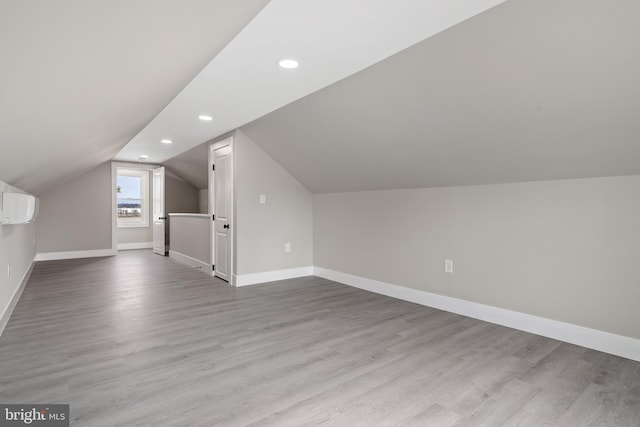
(145, 198)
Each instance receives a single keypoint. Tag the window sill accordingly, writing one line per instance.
(133, 225)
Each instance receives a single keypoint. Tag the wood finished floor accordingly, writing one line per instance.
(138, 339)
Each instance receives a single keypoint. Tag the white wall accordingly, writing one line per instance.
(563, 250)
(17, 247)
(263, 229)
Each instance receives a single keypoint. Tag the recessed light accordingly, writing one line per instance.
(143, 157)
(166, 141)
(205, 118)
(288, 63)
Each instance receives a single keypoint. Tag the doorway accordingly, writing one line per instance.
(132, 206)
(159, 231)
(221, 208)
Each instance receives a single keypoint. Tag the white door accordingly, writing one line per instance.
(212, 229)
(223, 211)
(159, 215)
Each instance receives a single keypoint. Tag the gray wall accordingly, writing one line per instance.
(191, 236)
(203, 201)
(565, 250)
(135, 234)
(17, 246)
(76, 215)
(180, 196)
(262, 230)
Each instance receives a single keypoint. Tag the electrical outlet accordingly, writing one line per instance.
(448, 266)
(263, 199)
(287, 247)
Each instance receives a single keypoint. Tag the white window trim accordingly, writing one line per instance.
(146, 199)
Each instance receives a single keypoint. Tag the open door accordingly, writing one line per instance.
(159, 215)
(223, 208)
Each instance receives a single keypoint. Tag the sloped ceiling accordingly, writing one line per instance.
(529, 90)
(331, 39)
(80, 78)
(192, 166)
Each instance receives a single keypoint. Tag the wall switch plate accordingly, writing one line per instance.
(448, 266)
(263, 199)
(287, 247)
(9, 269)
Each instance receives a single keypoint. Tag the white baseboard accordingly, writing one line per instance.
(190, 261)
(50, 256)
(137, 245)
(591, 338)
(4, 318)
(271, 276)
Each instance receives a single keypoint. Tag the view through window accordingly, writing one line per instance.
(132, 196)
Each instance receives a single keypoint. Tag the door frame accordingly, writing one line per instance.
(228, 141)
(115, 165)
(158, 193)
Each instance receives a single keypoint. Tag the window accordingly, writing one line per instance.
(133, 198)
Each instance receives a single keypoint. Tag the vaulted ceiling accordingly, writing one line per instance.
(80, 78)
(83, 78)
(527, 90)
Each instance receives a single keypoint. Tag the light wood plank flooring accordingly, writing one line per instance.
(138, 339)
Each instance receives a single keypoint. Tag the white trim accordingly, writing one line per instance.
(49, 256)
(190, 261)
(190, 215)
(136, 245)
(210, 207)
(114, 195)
(6, 315)
(221, 143)
(145, 196)
(607, 342)
(270, 276)
(114, 207)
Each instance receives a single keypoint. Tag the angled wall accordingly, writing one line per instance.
(75, 217)
(562, 250)
(263, 229)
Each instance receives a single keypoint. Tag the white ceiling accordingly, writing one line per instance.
(80, 78)
(529, 90)
(330, 38)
